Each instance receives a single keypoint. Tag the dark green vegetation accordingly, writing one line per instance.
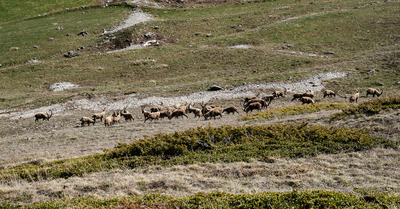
(369, 108)
(294, 110)
(195, 54)
(223, 144)
(294, 199)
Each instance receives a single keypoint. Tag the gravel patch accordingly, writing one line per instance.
(135, 100)
(136, 17)
(63, 86)
(246, 46)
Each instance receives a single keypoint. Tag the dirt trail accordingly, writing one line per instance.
(314, 82)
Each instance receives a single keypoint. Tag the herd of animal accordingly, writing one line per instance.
(207, 111)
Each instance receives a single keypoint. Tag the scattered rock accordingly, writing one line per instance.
(80, 48)
(398, 82)
(197, 34)
(156, 27)
(14, 48)
(378, 83)
(59, 28)
(329, 52)
(151, 43)
(371, 71)
(51, 39)
(32, 61)
(83, 33)
(215, 88)
(149, 35)
(63, 86)
(208, 35)
(35, 47)
(2, 66)
(68, 34)
(70, 54)
(180, 1)
(287, 46)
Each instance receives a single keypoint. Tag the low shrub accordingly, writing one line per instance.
(294, 110)
(371, 107)
(209, 144)
(293, 199)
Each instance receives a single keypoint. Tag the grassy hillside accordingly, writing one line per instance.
(198, 40)
(303, 161)
(11, 11)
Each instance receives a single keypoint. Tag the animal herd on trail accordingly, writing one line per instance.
(207, 111)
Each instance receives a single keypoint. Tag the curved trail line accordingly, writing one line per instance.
(313, 82)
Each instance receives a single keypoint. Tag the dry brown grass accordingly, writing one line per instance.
(377, 169)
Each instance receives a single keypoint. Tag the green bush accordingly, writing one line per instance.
(209, 144)
(294, 110)
(294, 199)
(372, 107)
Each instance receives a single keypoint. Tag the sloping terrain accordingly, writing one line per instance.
(171, 54)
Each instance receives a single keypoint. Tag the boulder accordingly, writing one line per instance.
(215, 88)
(70, 54)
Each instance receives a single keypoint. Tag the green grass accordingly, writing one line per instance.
(371, 107)
(38, 31)
(12, 10)
(294, 110)
(293, 199)
(326, 26)
(201, 145)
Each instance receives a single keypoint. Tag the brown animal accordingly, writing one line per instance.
(268, 98)
(157, 109)
(127, 115)
(108, 121)
(44, 116)
(195, 111)
(279, 93)
(253, 106)
(373, 92)
(354, 97)
(116, 117)
(213, 113)
(230, 110)
(297, 96)
(329, 93)
(261, 101)
(309, 93)
(150, 115)
(178, 113)
(99, 115)
(87, 120)
(307, 100)
(165, 113)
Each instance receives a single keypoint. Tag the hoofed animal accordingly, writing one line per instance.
(329, 93)
(99, 115)
(230, 110)
(127, 115)
(108, 121)
(309, 93)
(150, 115)
(87, 120)
(307, 100)
(213, 113)
(116, 117)
(279, 93)
(44, 116)
(253, 106)
(297, 96)
(354, 97)
(373, 92)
